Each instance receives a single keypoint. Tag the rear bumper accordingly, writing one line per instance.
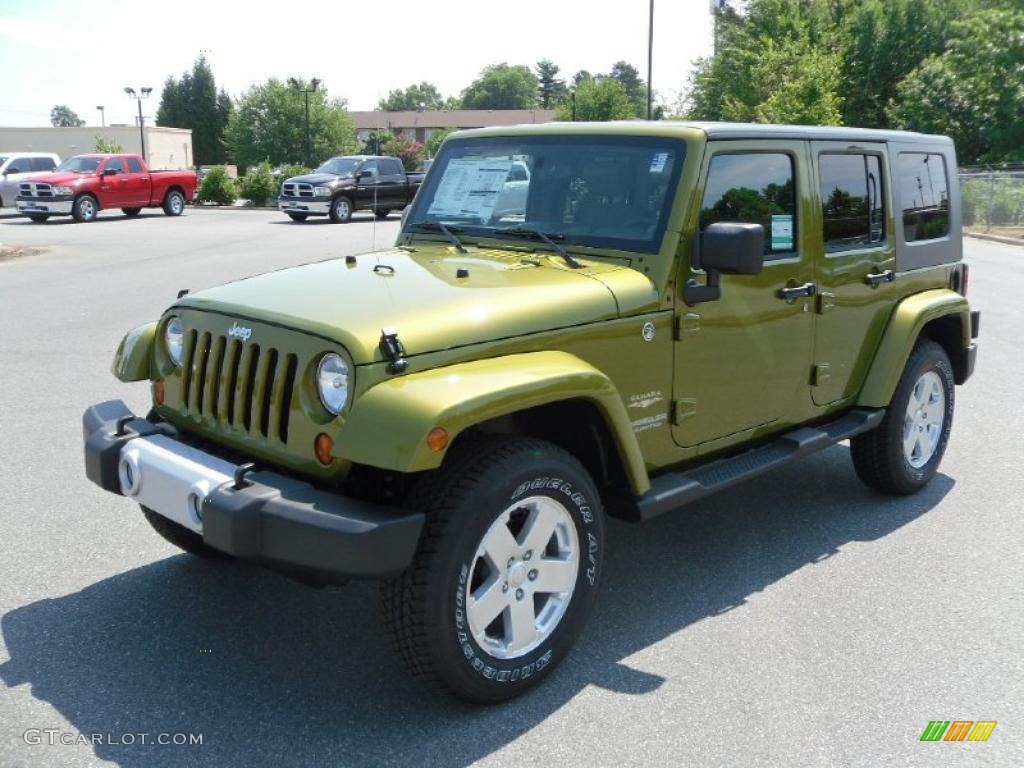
(259, 516)
(51, 206)
(307, 205)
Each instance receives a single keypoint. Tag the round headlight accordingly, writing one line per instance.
(332, 382)
(174, 339)
(322, 191)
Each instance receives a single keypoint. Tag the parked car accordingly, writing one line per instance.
(512, 198)
(684, 306)
(84, 185)
(16, 167)
(344, 185)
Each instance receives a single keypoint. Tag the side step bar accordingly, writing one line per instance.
(676, 489)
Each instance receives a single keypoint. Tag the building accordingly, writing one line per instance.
(166, 148)
(422, 125)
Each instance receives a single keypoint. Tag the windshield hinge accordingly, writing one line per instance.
(392, 349)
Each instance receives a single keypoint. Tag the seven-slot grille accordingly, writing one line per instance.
(31, 189)
(229, 383)
(297, 189)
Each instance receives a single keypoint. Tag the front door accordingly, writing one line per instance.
(368, 192)
(114, 187)
(856, 263)
(742, 361)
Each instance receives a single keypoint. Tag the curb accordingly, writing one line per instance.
(996, 238)
(234, 207)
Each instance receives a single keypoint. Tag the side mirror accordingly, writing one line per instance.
(109, 172)
(364, 175)
(13, 169)
(732, 249)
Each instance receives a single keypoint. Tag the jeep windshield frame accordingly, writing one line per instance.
(584, 190)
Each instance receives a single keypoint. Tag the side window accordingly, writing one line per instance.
(134, 166)
(395, 168)
(852, 208)
(370, 167)
(756, 188)
(43, 164)
(115, 164)
(924, 195)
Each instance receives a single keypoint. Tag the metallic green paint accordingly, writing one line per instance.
(388, 426)
(134, 353)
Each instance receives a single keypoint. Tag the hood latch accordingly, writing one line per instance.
(393, 349)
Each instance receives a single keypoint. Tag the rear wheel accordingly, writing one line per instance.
(85, 208)
(174, 203)
(297, 216)
(506, 570)
(381, 213)
(902, 454)
(182, 537)
(38, 218)
(131, 212)
(341, 210)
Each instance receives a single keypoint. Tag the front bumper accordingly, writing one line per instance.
(254, 515)
(309, 205)
(51, 206)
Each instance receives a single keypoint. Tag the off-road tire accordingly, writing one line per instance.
(425, 609)
(182, 537)
(340, 213)
(131, 212)
(297, 216)
(38, 218)
(85, 208)
(878, 456)
(174, 203)
(381, 213)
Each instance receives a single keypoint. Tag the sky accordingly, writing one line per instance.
(84, 54)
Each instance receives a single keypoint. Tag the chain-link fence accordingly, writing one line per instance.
(993, 199)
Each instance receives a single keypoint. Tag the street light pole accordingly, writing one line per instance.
(103, 117)
(143, 94)
(650, 61)
(306, 91)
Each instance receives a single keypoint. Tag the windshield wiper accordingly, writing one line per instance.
(531, 232)
(447, 231)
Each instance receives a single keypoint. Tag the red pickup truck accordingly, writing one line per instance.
(84, 185)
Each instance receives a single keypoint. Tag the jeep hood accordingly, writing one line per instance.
(421, 295)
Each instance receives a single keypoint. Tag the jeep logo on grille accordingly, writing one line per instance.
(239, 331)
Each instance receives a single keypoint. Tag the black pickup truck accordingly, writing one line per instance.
(343, 185)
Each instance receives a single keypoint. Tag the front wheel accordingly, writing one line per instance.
(174, 203)
(902, 454)
(506, 571)
(85, 208)
(341, 210)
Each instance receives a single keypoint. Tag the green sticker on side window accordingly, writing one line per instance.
(782, 232)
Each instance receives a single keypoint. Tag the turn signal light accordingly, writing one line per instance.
(158, 391)
(437, 440)
(323, 445)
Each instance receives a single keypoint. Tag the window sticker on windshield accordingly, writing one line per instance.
(470, 187)
(658, 162)
(782, 232)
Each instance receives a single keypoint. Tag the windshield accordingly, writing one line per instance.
(3, 159)
(339, 166)
(601, 191)
(80, 164)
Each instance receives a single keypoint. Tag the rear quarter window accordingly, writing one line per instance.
(924, 195)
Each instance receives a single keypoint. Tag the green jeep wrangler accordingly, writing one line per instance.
(576, 320)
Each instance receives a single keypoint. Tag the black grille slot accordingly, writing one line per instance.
(250, 385)
(267, 387)
(234, 360)
(200, 385)
(186, 366)
(291, 366)
(216, 374)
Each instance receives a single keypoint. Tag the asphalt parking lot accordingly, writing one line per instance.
(798, 620)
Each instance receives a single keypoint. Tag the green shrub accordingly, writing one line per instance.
(290, 170)
(217, 187)
(410, 152)
(434, 142)
(107, 146)
(258, 185)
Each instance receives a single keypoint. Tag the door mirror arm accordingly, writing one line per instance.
(732, 249)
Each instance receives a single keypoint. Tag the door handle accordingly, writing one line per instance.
(799, 291)
(881, 277)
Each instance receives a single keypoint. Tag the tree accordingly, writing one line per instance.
(968, 91)
(194, 102)
(417, 98)
(435, 140)
(628, 77)
(106, 146)
(602, 99)
(502, 86)
(550, 89)
(580, 77)
(269, 123)
(62, 116)
(408, 150)
(374, 144)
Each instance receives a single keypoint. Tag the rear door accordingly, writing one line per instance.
(855, 253)
(742, 361)
(138, 183)
(393, 184)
